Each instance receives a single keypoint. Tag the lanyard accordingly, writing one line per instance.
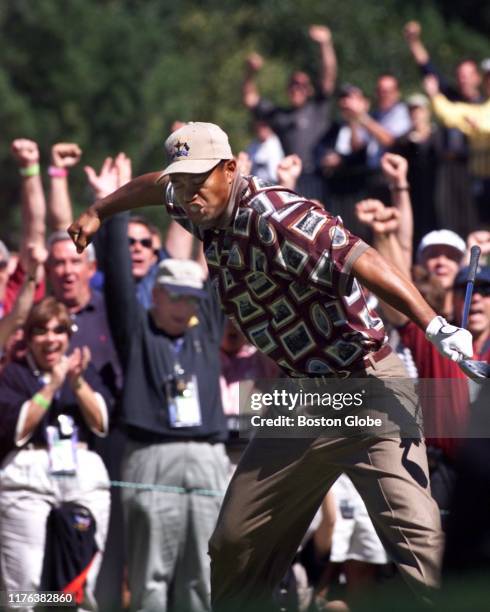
(176, 346)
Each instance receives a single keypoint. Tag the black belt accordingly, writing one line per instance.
(148, 437)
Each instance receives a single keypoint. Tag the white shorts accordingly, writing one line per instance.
(354, 536)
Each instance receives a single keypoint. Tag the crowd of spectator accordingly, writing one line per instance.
(96, 348)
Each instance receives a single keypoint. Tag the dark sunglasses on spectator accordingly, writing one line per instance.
(178, 297)
(43, 331)
(145, 242)
(483, 289)
(3, 264)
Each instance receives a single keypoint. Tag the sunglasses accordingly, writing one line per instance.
(43, 331)
(483, 289)
(3, 264)
(144, 242)
(178, 297)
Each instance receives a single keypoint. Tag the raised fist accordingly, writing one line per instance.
(380, 218)
(395, 168)
(65, 154)
(320, 34)
(254, 62)
(25, 152)
(412, 31)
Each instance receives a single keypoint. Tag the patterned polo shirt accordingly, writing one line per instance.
(282, 267)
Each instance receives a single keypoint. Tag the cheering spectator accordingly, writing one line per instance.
(175, 425)
(10, 325)
(388, 120)
(52, 406)
(468, 78)
(453, 195)
(301, 125)
(473, 120)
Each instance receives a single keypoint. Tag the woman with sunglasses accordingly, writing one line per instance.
(51, 407)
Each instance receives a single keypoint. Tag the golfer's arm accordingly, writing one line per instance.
(384, 280)
(138, 193)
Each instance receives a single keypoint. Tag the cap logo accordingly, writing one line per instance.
(181, 149)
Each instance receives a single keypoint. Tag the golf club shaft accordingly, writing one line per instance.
(474, 257)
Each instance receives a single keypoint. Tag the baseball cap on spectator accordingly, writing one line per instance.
(4, 252)
(196, 148)
(181, 276)
(417, 100)
(443, 238)
(482, 276)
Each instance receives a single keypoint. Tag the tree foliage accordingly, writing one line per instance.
(113, 74)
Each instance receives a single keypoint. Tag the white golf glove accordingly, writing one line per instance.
(453, 342)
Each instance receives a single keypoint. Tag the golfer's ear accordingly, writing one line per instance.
(230, 167)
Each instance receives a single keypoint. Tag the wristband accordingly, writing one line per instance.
(41, 401)
(55, 172)
(31, 170)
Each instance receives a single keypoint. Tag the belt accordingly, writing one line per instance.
(357, 367)
(377, 356)
(147, 437)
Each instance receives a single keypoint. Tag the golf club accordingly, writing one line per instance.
(476, 370)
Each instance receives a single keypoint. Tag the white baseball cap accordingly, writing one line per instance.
(441, 237)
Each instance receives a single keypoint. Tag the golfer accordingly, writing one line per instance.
(290, 275)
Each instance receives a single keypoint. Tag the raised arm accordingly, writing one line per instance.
(120, 292)
(395, 170)
(250, 92)
(138, 193)
(26, 154)
(36, 256)
(412, 32)
(323, 36)
(64, 156)
(354, 108)
(471, 119)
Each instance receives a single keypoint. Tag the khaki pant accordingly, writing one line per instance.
(278, 486)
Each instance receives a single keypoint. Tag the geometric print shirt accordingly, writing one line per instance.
(281, 265)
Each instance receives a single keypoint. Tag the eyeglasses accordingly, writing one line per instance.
(43, 331)
(144, 242)
(483, 289)
(179, 297)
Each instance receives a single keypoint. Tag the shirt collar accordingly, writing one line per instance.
(239, 185)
